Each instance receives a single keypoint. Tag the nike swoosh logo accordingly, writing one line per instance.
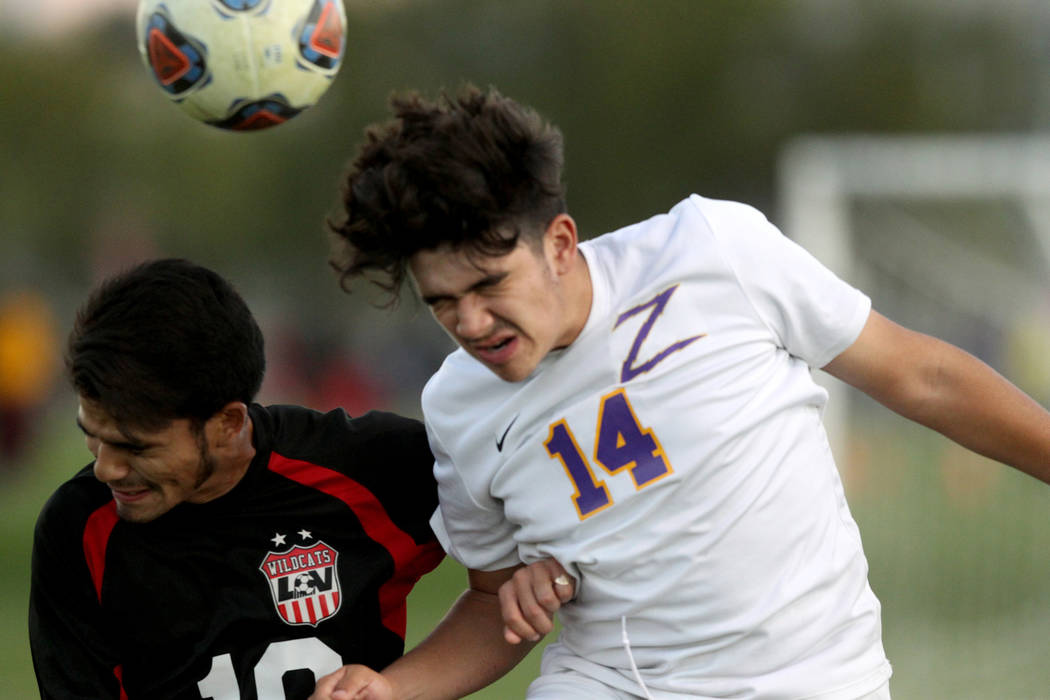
(499, 443)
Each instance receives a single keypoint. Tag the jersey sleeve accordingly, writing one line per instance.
(71, 657)
(475, 534)
(812, 313)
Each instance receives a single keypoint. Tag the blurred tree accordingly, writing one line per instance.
(656, 99)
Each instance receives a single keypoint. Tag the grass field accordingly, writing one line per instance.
(55, 454)
(959, 551)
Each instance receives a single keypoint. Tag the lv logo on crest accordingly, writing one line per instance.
(304, 583)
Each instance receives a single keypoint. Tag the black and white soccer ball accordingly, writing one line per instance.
(302, 586)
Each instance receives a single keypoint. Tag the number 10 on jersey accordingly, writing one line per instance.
(621, 443)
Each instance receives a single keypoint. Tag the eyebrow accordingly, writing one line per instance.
(486, 281)
(129, 443)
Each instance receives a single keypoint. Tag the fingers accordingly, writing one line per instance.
(353, 683)
(515, 629)
(323, 689)
(564, 587)
(530, 598)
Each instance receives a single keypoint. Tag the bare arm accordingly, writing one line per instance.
(469, 648)
(470, 633)
(947, 389)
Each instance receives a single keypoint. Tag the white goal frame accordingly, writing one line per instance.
(817, 176)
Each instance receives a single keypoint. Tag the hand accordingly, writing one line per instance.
(353, 683)
(529, 599)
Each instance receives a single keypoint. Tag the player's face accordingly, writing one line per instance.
(149, 472)
(507, 311)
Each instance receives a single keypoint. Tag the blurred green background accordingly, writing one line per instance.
(657, 99)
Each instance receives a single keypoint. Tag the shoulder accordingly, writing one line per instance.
(299, 428)
(734, 224)
(386, 453)
(461, 385)
(338, 441)
(684, 242)
(65, 515)
(700, 223)
(464, 400)
(681, 232)
(719, 212)
(290, 426)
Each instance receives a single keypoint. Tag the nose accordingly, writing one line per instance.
(473, 320)
(110, 465)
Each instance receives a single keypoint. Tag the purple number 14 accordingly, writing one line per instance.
(621, 443)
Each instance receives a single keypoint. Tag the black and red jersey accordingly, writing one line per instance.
(302, 567)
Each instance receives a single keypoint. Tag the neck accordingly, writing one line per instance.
(579, 294)
(231, 463)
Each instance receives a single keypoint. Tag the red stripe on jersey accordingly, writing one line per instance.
(97, 530)
(119, 673)
(410, 559)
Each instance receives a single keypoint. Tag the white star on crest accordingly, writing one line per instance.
(277, 539)
(305, 534)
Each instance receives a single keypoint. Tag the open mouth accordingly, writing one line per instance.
(498, 352)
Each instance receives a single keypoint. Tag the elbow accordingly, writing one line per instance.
(930, 392)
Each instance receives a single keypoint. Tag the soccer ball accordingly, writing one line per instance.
(242, 64)
(303, 586)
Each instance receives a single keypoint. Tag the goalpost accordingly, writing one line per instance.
(949, 235)
(823, 179)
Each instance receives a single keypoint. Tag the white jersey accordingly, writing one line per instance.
(673, 459)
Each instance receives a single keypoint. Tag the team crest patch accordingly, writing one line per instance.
(304, 582)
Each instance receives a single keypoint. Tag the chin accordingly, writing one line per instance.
(132, 516)
(512, 374)
(139, 515)
(516, 369)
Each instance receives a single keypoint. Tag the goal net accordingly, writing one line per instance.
(949, 235)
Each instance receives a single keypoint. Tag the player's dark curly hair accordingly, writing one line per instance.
(165, 340)
(475, 170)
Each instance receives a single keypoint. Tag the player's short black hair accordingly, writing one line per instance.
(167, 339)
(476, 170)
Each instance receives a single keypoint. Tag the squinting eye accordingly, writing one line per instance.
(440, 306)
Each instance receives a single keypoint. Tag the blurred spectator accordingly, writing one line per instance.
(28, 360)
(320, 371)
(342, 381)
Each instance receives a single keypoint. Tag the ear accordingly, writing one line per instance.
(228, 426)
(559, 243)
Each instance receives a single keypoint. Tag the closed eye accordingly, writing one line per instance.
(489, 282)
(436, 300)
(134, 448)
(484, 285)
